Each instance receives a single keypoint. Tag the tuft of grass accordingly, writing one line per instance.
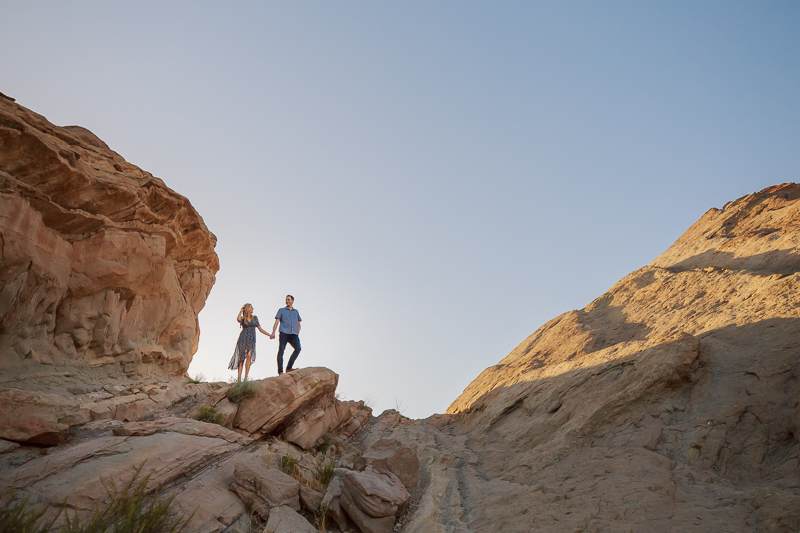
(291, 465)
(18, 516)
(324, 473)
(369, 402)
(241, 390)
(198, 378)
(399, 407)
(208, 414)
(131, 510)
(320, 517)
(325, 443)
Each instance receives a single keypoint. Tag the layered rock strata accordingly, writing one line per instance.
(215, 474)
(104, 268)
(670, 403)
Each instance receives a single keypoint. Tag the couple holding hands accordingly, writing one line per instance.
(245, 352)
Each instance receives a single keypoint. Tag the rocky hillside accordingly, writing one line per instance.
(104, 270)
(670, 403)
(104, 267)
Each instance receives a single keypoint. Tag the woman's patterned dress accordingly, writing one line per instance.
(246, 343)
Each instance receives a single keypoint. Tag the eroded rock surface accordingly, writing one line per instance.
(104, 268)
(670, 403)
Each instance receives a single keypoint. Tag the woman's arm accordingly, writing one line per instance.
(239, 317)
(262, 331)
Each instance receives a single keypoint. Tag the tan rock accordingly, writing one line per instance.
(72, 475)
(208, 496)
(7, 446)
(34, 418)
(310, 499)
(263, 487)
(283, 400)
(135, 410)
(228, 410)
(284, 519)
(185, 426)
(104, 267)
(365, 522)
(667, 404)
(393, 456)
(377, 492)
(331, 501)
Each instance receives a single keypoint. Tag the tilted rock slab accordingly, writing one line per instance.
(104, 268)
(209, 497)
(73, 476)
(185, 426)
(283, 401)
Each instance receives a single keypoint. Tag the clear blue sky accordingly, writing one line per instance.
(432, 180)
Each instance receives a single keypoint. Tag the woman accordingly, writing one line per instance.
(245, 352)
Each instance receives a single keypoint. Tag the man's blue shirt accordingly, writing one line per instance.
(290, 320)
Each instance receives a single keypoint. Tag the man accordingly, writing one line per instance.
(289, 319)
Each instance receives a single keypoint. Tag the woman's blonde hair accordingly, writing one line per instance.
(246, 309)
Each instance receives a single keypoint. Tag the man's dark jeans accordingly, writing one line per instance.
(292, 339)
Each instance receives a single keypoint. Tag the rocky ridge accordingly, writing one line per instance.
(670, 403)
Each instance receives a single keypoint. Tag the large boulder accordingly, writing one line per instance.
(373, 498)
(284, 519)
(263, 487)
(393, 456)
(331, 500)
(104, 267)
(284, 400)
(37, 418)
(376, 492)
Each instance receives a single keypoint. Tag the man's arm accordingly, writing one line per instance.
(274, 326)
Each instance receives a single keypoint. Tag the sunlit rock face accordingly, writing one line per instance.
(103, 267)
(670, 403)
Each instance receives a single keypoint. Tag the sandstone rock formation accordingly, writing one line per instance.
(216, 474)
(103, 267)
(670, 403)
(104, 270)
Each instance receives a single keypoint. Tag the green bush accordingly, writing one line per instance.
(323, 473)
(320, 518)
(209, 414)
(241, 390)
(291, 465)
